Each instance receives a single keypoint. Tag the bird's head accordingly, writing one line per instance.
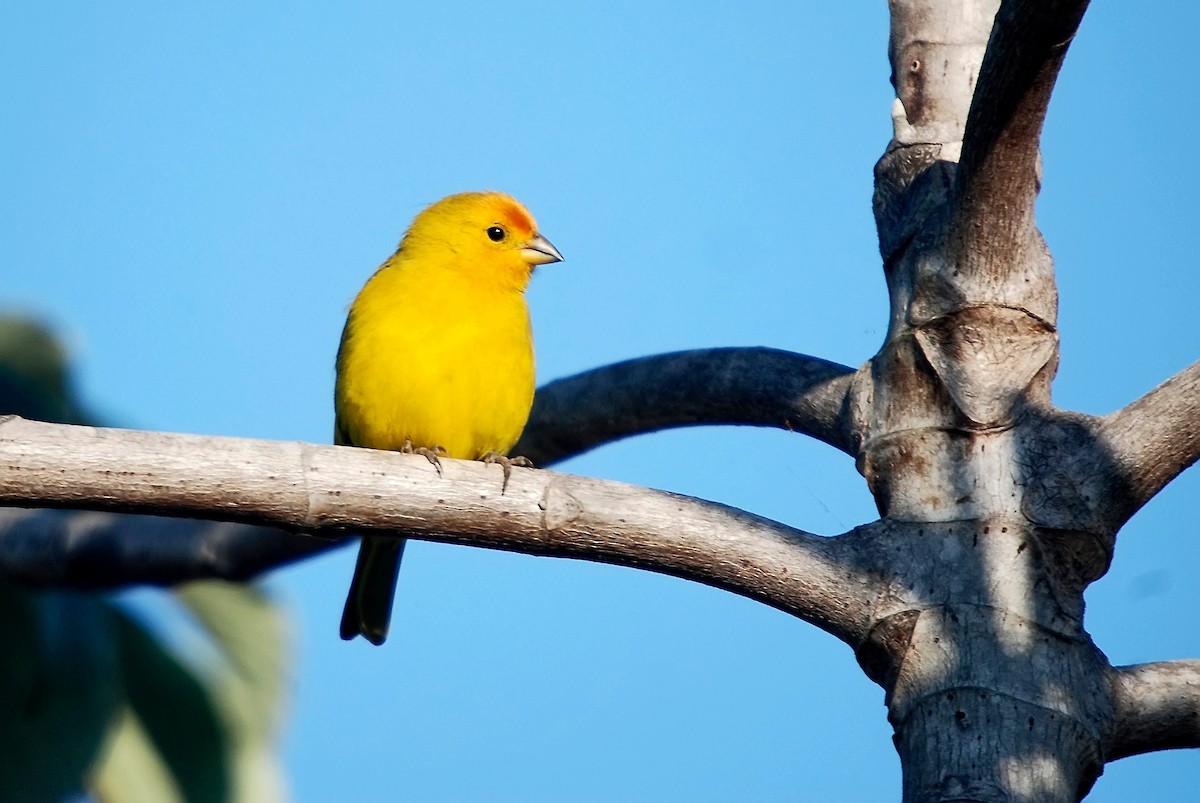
(489, 235)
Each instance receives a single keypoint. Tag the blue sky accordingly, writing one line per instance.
(194, 194)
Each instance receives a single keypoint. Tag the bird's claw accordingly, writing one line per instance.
(429, 454)
(507, 463)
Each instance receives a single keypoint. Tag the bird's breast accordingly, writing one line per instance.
(440, 365)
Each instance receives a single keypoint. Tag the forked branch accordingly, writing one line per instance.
(329, 490)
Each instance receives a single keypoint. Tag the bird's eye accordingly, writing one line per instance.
(496, 234)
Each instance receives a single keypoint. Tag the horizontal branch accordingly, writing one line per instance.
(329, 491)
(109, 550)
(99, 550)
(1155, 438)
(754, 386)
(1156, 707)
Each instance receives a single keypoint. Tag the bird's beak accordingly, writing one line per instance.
(539, 251)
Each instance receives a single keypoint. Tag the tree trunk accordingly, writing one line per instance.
(995, 691)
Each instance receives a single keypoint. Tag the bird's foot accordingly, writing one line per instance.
(429, 454)
(507, 464)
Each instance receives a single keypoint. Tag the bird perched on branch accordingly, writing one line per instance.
(437, 358)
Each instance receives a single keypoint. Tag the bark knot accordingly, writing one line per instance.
(885, 646)
(559, 508)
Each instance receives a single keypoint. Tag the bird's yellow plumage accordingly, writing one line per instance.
(437, 353)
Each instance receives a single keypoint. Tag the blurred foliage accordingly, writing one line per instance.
(92, 699)
(34, 381)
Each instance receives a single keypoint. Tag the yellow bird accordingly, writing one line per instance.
(437, 357)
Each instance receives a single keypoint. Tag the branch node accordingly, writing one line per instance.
(559, 508)
(885, 646)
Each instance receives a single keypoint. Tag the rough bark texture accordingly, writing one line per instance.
(996, 691)
(1152, 440)
(990, 693)
(964, 601)
(1157, 707)
(754, 386)
(329, 490)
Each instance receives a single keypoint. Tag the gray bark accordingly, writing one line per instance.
(94, 549)
(1152, 440)
(995, 689)
(326, 491)
(1157, 707)
(997, 510)
(751, 386)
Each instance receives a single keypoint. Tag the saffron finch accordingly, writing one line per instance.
(437, 357)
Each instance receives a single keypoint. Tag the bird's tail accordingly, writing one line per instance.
(368, 608)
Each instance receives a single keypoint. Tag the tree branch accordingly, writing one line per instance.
(1155, 438)
(754, 386)
(1156, 707)
(999, 174)
(748, 386)
(328, 490)
(97, 550)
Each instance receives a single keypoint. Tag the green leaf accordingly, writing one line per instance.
(130, 769)
(175, 709)
(90, 695)
(59, 690)
(249, 633)
(34, 378)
